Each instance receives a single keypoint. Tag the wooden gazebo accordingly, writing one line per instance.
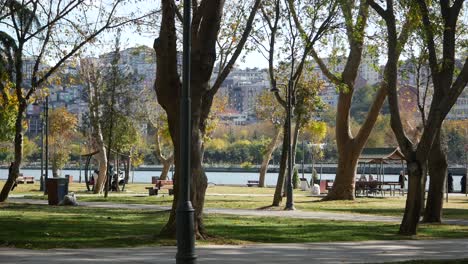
(379, 157)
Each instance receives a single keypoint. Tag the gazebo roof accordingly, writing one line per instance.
(380, 155)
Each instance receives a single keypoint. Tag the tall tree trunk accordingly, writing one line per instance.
(437, 174)
(101, 155)
(167, 163)
(199, 181)
(15, 166)
(205, 27)
(294, 142)
(96, 129)
(55, 171)
(127, 168)
(267, 157)
(423, 192)
(278, 197)
(343, 186)
(100, 182)
(416, 170)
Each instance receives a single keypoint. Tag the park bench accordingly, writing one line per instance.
(25, 179)
(161, 185)
(251, 183)
(29, 179)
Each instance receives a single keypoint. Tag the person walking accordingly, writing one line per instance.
(463, 183)
(401, 179)
(450, 183)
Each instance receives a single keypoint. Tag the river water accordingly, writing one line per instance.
(229, 178)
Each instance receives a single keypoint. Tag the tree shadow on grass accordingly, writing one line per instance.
(35, 226)
(277, 230)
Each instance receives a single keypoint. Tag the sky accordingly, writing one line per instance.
(131, 38)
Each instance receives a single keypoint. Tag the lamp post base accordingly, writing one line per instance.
(186, 259)
(185, 234)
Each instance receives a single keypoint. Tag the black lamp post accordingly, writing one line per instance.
(303, 155)
(46, 116)
(466, 162)
(41, 119)
(42, 155)
(289, 186)
(185, 212)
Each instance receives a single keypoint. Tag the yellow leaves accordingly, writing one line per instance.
(8, 113)
(217, 144)
(62, 123)
(317, 130)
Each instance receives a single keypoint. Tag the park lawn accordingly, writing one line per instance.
(457, 208)
(41, 227)
(254, 198)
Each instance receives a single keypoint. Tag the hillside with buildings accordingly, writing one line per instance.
(241, 88)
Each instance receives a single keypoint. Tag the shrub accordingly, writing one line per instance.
(295, 179)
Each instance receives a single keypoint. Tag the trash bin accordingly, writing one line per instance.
(57, 188)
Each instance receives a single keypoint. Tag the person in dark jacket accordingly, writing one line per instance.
(450, 182)
(401, 179)
(463, 183)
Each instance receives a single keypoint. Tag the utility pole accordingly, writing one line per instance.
(46, 114)
(42, 180)
(289, 194)
(185, 223)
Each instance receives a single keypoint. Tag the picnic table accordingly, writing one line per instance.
(374, 187)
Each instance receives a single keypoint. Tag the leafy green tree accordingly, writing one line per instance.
(206, 38)
(288, 79)
(163, 148)
(8, 112)
(437, 19)
(362, 100)
(355, 21)
(49, 30)
(268, 109)
(456, 136)
(62, 127)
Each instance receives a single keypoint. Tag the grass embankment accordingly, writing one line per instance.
(254, 198)
(41, 226)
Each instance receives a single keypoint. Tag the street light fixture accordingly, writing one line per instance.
(289, 186)
(185, 231)
(41, 119)
(46, 117)
(466, 162)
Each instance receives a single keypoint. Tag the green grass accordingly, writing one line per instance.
(41, 226)
(254, 198)
(31, 226)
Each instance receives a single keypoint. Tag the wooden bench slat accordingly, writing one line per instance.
(161, 185)
(251, 183)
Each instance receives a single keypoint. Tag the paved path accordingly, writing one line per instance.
(247, 212)
(349, 252)
(342, 252)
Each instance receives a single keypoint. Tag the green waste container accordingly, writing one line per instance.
(57, 188)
